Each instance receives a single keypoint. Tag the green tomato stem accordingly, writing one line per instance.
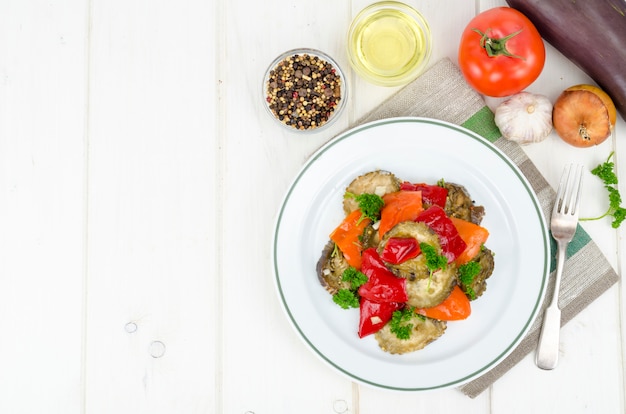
(496, 47)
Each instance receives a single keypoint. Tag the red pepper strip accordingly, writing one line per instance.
(431, 194)
(454, 308)
(373, 316)
(473, 235)
(381, 285)
(346, 237)
(452, 245)
(400, 249)
(399, 206)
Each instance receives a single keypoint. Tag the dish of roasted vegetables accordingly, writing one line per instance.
(428, 305)
(410, 256)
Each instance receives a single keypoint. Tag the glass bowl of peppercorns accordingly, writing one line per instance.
(304, 90)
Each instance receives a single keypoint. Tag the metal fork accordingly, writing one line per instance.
(563, 226)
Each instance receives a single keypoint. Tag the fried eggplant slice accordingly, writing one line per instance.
(330, 268)
(479, 284)
(422, 290)
(332, 263)
(414, 268)
(459, 204)
(369, 238)
(431, 291)
(424, 331)
(375, 182)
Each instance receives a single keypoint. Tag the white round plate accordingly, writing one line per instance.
(416, 150)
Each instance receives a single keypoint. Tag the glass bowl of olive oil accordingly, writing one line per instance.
(389, 43)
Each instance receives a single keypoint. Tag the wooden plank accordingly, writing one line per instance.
(153, 297)
(266, 367)
(42, 204)
(620, 145)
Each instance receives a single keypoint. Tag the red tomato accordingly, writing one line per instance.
(518, 52)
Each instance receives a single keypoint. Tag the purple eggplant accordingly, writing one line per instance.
(590, 33)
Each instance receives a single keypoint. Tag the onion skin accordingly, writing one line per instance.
(590, 33)
(584, 116)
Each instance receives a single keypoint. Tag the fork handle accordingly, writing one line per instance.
(547, 355)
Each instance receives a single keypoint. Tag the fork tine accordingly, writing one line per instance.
(573, 190)
(569, 191)
(577, 189)
(561, 190)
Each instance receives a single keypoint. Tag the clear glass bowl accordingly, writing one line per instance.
(306, 88)
(389, 43)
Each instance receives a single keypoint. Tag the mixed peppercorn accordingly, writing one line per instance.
(303, 91)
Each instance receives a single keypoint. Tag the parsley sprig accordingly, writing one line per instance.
(353, 276)
(369, 204)
(346, 298)
(467, 274)
(400, 322)
(434, 261)
(606, 173)
(349, 298)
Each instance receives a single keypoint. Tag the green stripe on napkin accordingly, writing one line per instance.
(442, 93)
(482, 122)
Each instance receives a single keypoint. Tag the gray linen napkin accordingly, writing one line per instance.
(442, 93)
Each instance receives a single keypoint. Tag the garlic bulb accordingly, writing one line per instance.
(525, 118)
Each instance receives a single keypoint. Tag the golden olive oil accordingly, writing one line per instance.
(389, 46)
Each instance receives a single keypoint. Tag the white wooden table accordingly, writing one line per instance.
(139, 180)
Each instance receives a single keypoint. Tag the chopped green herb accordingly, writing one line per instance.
(335, 251)
(434, 261)
(369, 204)
(399, 323)
(346, 299)
(441, 183)
(353, 276)
(467, 273)
(349, 298)
(605, 172)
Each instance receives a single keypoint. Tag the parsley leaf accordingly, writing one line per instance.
(606, 173)
(349, 298)
(399, 323)
(346, 299)
(355, 278)
(369, 204)
(434, 261)
(467, 273)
